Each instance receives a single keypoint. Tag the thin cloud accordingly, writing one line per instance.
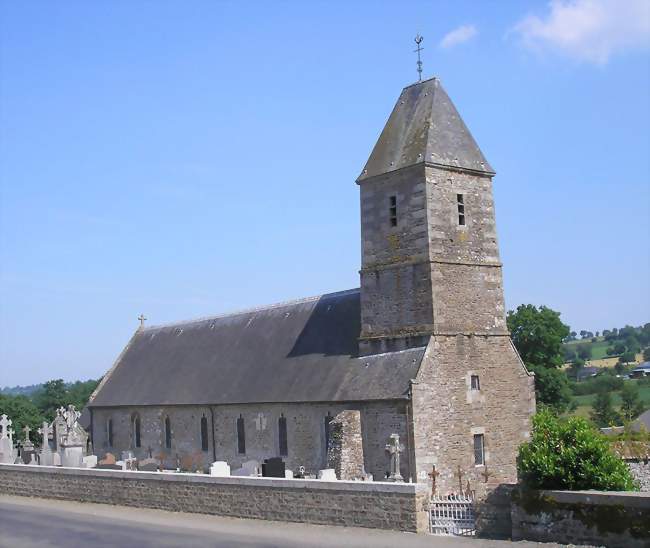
(458, 36)
(588, 30)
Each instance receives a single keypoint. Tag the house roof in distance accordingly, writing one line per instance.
(425, 127)
(304, 351)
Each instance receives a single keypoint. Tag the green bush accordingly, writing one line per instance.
(569, 454)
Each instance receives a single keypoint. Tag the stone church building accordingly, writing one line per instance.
(421, 349)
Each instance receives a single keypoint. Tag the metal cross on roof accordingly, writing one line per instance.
(142, 320)
(418, 41)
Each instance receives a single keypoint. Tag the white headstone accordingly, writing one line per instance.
(328, 474)
(288, 474)
(7, 452)
(90, 461)
(249, 468)
(56, 459)
(220, 468)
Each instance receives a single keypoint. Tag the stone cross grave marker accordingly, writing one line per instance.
(7, 455)
(5, 423)
(394, 448)
(459, 475)
(27, 430)
(434, 476)
(46, 453)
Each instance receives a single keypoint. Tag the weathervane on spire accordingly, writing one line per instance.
(418, 41)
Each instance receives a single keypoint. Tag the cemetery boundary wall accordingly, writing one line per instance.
(380, 505)
(614, 519)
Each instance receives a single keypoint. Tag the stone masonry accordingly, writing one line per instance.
(429, 277)
(345, 449)
(351, 504)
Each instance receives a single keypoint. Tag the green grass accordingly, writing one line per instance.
(598, 349)
(585, 402)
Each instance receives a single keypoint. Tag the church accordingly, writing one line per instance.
(420, 349)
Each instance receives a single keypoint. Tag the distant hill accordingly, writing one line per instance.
(21, 390)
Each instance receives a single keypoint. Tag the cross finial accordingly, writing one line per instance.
(418, 41)
(27, 430)
(142, 320)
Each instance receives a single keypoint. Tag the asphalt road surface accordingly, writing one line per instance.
(28, 522)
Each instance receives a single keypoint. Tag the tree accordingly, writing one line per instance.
(52, 396)
(569, 354)
(552, 388)
(619, 348)
(627, 357)
(584, 351)
(646, 354)
(537, 335)
(570, 454)
(23, 413)
(576, 365)
(631, 405)
(79, 392)
(603, 413)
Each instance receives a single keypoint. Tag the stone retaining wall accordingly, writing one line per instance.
(360, 504)
(613, 519)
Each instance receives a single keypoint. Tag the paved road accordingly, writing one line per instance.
(28, 522)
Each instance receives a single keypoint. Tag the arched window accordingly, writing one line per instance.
(109, 432)
(136, 430)
(204, 433)
(168, 433)
(241, 436)
(282, 434)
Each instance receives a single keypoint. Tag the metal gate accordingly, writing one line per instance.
(452, 515)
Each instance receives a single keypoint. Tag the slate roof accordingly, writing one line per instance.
(425, 126)
(305, 351)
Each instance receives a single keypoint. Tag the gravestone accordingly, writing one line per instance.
(345, 447)
(249, 468)
(394, 448)
(109, 458)
(72, 443)
(273, 468)
(45, 456)
(27, 447)
(328, 474)
(288, 474)
(7, 451)
(148, 465)
(89, 461)
(220, 468)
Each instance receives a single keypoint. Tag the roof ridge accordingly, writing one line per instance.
(242, 311)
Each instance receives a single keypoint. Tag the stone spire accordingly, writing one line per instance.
(425, 128)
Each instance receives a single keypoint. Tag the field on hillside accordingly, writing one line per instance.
(598, 348)
(585, 402)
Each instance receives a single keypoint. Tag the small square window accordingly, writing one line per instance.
(479, 450)
(476, 384)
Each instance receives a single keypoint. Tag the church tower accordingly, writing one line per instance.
(431, 276)
(430, 260)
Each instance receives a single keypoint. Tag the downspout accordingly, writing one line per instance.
(214, 445)
(92, 432)
(409, 437)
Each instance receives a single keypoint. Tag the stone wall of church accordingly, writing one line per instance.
(465, 264)
(448, 412)
(306, 438)
(395, 275)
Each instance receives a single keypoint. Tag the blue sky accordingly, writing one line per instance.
(184, 159)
